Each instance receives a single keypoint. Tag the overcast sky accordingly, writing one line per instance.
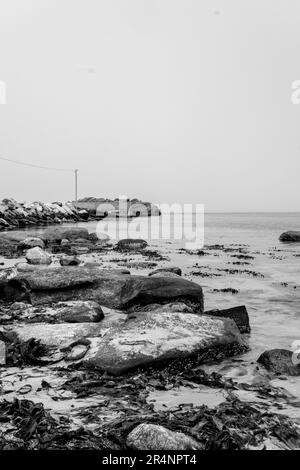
(166, 100)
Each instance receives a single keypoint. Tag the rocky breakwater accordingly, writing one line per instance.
(14, 214)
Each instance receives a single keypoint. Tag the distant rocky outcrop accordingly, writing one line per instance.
(15, 214)
(102, 207)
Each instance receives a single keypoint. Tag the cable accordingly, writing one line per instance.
(36, 166)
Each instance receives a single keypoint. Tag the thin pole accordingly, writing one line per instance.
(76, 187)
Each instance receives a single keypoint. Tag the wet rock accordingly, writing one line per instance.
(157, 338)
(279, 361)
(238, 314)
(174, 270)
(38, 256)
(69, 261)
(57, 234)
(154, 437)
(291, 236)
(131, 244)
(105, 287)
(31, 242)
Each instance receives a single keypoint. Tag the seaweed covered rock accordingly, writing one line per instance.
(279, 361)
(131, 244)
(154, 437)
(291, 236)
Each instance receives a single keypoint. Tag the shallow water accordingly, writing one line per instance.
(273, 307)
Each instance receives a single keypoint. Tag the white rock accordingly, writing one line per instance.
(38, 256)
(154, 437)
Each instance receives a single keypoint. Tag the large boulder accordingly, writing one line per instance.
(153, 437)
(238, 314)
(131, 244)
(291, 236)
(158, 338)
(279, 361)
(117, 345)
(31, 242)
(112, 290)
(57, 234)
(38, 256)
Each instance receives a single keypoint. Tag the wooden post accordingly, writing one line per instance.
(76, 187)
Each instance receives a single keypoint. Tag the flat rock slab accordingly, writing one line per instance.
(111, 290)
(157, 338)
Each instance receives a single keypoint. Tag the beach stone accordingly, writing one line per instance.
(110, 289)
(128, 244)
(57, 234)
(173, 269)
(38, 256)
(238, 314)
(31, 242)
(69, 261)
(154, 437)
(291, 236)
(279, 361)
(65, 243)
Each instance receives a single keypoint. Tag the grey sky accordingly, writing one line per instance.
(166, 100)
